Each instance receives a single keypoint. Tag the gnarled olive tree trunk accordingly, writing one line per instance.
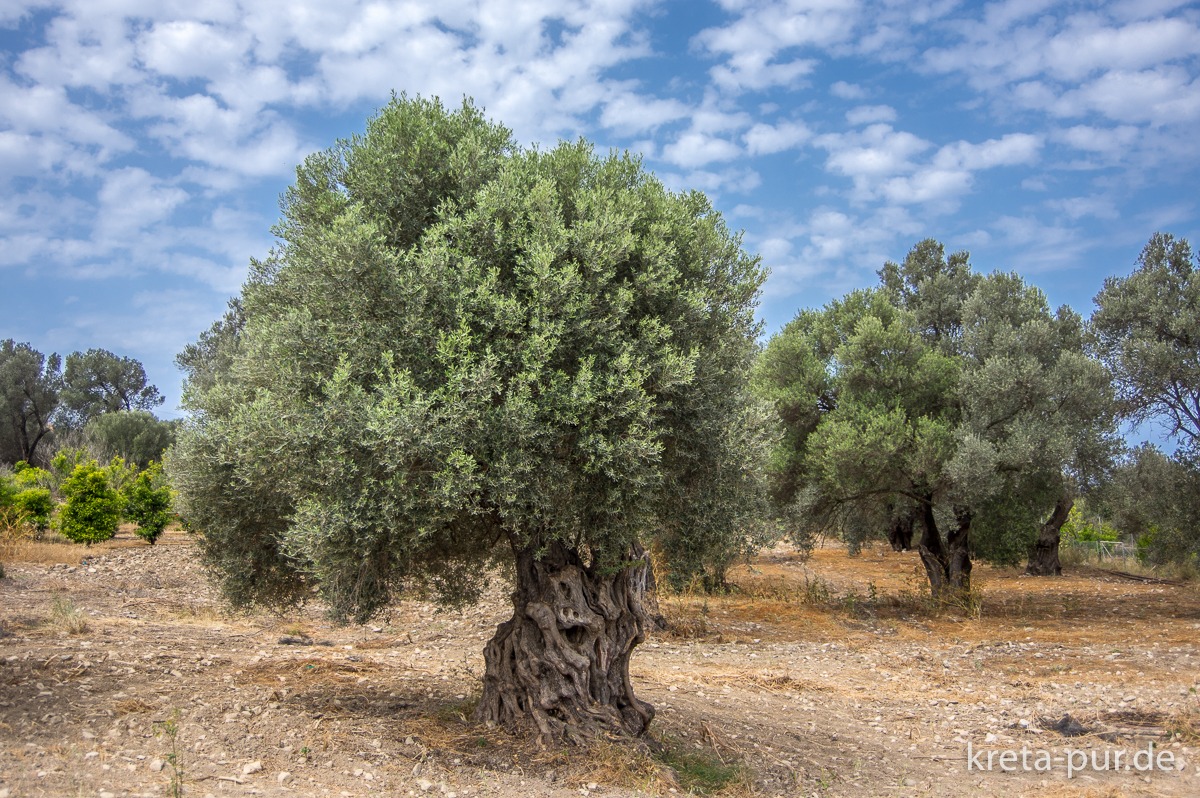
(1043, 558)
(560, 666)
(947, 565)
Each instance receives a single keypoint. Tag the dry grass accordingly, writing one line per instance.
(15, 533)
(311, 671)
(19, 543)
(67, 617)
(133, 706)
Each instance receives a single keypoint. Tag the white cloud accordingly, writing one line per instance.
(1113, 141)
(191, 49)
(65, 129)
(1079, 207)
(631, 113)
(884, 163)
(754, 43)
(132, 199)
(1084, 49)
(867, 114)
(763, 139)
(847, 91)
(694, 149)
(1162, 96)
(1010, 150)
(874, 152)
(927, 185)
(199, 129)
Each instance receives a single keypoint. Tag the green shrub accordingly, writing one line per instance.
(64, 463)
(38, 503)
(148, 503)
(1082, 530)
(120, 473)
(8, 490)
(27, 476)
(93, 508)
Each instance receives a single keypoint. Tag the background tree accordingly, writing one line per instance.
(133, 435)
(963, 408)
(1146, 330)
(1151, 500)
(461, 352)
(29, 395)
(97, 382)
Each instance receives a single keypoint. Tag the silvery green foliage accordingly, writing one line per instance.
(942, 385)
(458, 344)
(1146, 329)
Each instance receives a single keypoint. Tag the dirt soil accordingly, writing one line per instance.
(120, 674)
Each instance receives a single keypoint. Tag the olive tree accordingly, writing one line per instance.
(97, 382)
(943, 402)
(1146, 329)
(462, 352)
(133, 435)
(30, 383)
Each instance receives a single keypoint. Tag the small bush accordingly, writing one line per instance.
(93, 508)
(27, 476)
(38, 504)
(148, 503)
(64, 463)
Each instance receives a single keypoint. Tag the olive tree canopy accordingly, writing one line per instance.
(943, 402)
(1146, 329)
(97, 382)
(462, 350)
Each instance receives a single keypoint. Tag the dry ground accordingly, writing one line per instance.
(829, 677)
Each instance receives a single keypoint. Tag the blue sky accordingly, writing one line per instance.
(144, 143)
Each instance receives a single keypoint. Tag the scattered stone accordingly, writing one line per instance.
(251, 767)
(157, 765)
(284, 777)
(425, 784)
(1067, 726)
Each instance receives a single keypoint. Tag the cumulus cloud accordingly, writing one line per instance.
(191, 49)
(764, 139)
(755, 45)
(694, 149)
(887, 164)
(873, 152)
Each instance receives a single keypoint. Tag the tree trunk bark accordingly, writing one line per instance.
(560, 667)
(900, 534)
(933, 554)
(948, 565)
(1043, 558)
(958, 550)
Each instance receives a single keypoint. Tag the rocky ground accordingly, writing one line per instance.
(121, 675)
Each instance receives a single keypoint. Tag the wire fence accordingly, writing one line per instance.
(1106, 549)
